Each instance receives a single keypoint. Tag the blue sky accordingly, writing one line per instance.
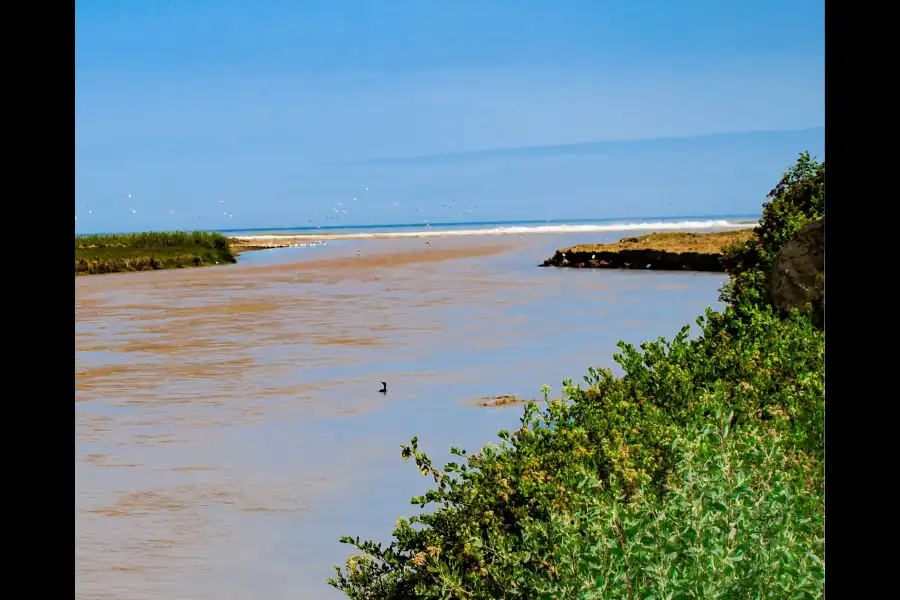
(283, 109)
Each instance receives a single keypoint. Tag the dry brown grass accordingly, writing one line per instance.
(702, 243)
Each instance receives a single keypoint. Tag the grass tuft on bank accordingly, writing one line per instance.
(699, 473)
(115, 253)
(713, 242)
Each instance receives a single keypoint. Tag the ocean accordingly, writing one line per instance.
(522, 227)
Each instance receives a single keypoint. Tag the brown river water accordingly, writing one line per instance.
(228, 423)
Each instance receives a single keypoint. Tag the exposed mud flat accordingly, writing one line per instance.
(502, 400)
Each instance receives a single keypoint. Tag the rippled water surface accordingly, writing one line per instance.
(228, 425)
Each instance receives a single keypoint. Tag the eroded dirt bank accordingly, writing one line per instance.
(656, 251)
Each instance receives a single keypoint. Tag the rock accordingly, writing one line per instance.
(798, 275)
(660, 260)
(501, 401)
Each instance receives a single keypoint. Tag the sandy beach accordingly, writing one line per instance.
(264, 241)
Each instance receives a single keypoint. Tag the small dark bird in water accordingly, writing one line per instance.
(383, 389)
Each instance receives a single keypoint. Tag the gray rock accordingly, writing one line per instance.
(798, 275)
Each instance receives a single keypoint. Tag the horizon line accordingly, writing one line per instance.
(631, 219)
(573, 146)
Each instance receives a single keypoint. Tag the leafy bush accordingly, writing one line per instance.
(619, 431)
(743, 518)
(798, 199)
(698, 473)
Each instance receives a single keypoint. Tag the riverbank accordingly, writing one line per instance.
(99, 254)
(671, 251)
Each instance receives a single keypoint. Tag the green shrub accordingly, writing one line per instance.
(619, 431)
(798, 199)
(743, 518)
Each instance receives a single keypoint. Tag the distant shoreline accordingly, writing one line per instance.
(246, 243)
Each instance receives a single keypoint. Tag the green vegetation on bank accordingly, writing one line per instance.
(798, 199)
(115, 253)
(699, 473)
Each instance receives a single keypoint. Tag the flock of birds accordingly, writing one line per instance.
(338, 213)
(134, 211)
(341, 209)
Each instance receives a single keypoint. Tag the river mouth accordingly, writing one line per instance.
(228, 422)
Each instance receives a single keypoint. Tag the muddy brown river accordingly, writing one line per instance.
(228, 424)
